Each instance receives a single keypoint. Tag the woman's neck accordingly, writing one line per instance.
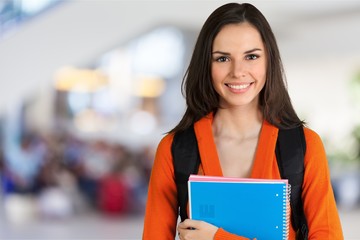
(237, 123)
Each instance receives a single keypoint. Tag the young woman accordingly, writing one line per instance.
(237, 100)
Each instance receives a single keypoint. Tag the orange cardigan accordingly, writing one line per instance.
(319, 204)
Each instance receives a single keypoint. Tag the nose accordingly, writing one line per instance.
(238, 69)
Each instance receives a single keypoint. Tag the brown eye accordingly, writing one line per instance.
(222, 59)
(252, 57)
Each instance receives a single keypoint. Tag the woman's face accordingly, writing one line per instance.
(238, 67)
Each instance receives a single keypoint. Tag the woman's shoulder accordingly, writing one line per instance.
(163, 156)
(314, 143)
(311, 135)
(166, 141)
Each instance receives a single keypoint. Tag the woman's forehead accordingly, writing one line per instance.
(241, 36)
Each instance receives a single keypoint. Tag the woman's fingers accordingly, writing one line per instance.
(199, 230)
(189, 224)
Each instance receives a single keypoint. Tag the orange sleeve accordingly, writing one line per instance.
(161, 208)
(221, 234)
(319, 202)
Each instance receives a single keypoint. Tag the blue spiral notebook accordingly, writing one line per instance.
(252, 208)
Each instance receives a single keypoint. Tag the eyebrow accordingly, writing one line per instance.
(246, 52)
(253, 50)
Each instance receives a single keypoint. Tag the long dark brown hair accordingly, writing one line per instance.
(201, 97)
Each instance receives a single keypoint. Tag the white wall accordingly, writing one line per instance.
(322, 57)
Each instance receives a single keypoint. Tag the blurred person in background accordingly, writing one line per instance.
(23, 163)
(237, 101)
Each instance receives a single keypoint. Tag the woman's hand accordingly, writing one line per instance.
(196, 230)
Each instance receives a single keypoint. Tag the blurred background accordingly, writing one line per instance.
(89, 87)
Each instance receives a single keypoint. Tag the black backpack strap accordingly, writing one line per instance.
(290, 152)
(186, 161)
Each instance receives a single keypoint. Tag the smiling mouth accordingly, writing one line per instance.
(238, 86)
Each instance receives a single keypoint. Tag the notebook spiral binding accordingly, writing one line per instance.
(286, 209)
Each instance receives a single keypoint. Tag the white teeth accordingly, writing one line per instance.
(242, 86)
